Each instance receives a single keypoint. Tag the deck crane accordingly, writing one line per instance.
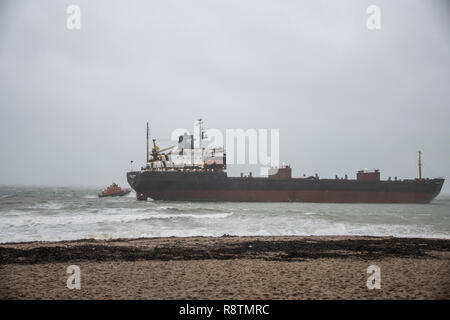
(156, 151)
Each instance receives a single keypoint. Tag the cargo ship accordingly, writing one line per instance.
(166, 176)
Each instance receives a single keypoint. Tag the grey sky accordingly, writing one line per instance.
(74, 103)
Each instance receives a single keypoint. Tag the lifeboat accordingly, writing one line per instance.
(114, 191)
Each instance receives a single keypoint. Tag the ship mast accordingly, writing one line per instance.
(420, 165)
(200, 124)
(148, 137)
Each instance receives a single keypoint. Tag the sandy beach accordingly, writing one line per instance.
(287, 267)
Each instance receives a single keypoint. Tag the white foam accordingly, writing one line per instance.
(105, 216)
(194, 216)
(47, 206)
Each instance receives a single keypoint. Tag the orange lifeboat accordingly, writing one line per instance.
(114, 191)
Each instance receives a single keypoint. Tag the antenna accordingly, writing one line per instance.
(200, 124)
(420, 165)
(148, 137)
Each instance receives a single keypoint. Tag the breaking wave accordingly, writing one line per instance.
(64, 214)
(193, 216)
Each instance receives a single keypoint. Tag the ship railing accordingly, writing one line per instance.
(181, 169)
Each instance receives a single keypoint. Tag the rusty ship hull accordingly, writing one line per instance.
(217, 186)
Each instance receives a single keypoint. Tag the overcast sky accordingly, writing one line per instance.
(74, 103)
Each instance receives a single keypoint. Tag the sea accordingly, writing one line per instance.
(71, 213)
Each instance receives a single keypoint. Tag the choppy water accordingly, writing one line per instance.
(42, 213)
